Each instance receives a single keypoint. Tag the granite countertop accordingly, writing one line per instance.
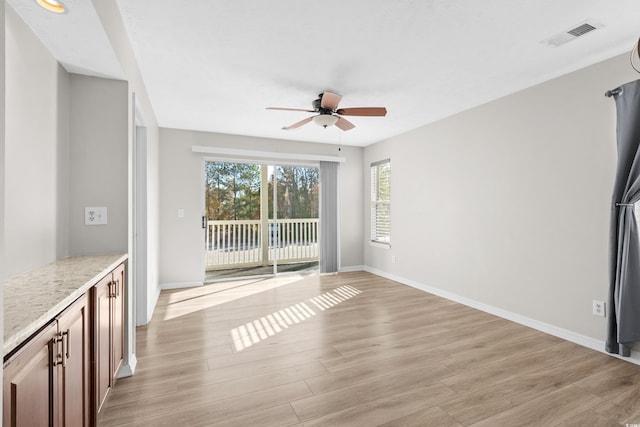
(33, 299)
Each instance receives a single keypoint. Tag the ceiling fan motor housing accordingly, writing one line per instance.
(317, 105)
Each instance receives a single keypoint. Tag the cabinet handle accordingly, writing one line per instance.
(117, 283)
(65, 347)
(111, 293)
(58, 357)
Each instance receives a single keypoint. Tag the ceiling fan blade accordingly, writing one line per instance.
(298, 124)
(289, 109)
(363, 111)
(344, 124)
(330, 100)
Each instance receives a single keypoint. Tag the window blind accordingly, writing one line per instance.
(381, 202)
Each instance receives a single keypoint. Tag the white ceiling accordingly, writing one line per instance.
(215, 65)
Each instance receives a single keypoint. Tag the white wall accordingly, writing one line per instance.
(153, 222)
(147, 293)
(36, 151)
(507, 204)
(181, 187)
(98, 164)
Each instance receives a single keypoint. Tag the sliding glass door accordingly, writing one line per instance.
(293, 215)
(260, 219)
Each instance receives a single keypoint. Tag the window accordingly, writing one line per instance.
(381, 202)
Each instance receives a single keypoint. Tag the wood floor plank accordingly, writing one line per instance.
(201, 412)
(251, 371)
(478, 404)
(624, 408)
(510, 346)
(590, 419)
(549, 409)
(424, 417)
(277, 416)
(124, 394)
(401, 349)
(122, 414)
(353, 374)
(617, 378)
(391, 411)
(495, 372)
(373, 389)
(272, 357)
(370, 354)
(243, 386)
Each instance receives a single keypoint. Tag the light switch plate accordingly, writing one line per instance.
(95, 216)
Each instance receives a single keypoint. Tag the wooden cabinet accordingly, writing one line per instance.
(61, 375)
(47, 383)
(108, 303)
(28, 383)
(117, 329)
(73, 364)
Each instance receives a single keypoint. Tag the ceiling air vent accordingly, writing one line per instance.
(572, 33)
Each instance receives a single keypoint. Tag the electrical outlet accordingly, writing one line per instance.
(95, 216)
(598, 308)
(393, 259)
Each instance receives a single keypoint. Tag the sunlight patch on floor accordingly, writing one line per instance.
(258, 330)
(191, 300)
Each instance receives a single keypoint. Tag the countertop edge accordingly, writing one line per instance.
(14, 341)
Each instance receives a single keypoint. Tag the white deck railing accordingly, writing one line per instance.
(232, 244)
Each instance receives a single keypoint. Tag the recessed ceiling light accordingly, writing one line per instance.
(52, 5)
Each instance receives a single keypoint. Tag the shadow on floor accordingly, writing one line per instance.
(260, 271)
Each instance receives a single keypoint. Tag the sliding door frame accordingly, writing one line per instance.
(271, 243)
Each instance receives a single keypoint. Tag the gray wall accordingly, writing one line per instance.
(507, 204)
(36, 182)
(98, 164)
(181, 187)
(66, 148)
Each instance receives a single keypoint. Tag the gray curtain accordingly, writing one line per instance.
(328, 217)
(623, 327)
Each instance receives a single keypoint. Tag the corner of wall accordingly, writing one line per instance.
(2, 169)
(576, 338)
(62, 164)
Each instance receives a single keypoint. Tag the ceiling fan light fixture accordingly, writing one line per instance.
(325, 120)
(52, 5)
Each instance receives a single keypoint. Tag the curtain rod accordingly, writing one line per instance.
(613, 92)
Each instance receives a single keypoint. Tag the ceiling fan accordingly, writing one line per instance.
(329, 114)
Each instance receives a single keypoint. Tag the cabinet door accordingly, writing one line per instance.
(117, 324)
(102, 331)
(73, 371)
(29, 383)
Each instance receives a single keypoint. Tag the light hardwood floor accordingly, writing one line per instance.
(356, 349)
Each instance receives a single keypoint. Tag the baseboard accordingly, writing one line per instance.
(352, 268)
(128, 368)
(179, 285)
(547, 328)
